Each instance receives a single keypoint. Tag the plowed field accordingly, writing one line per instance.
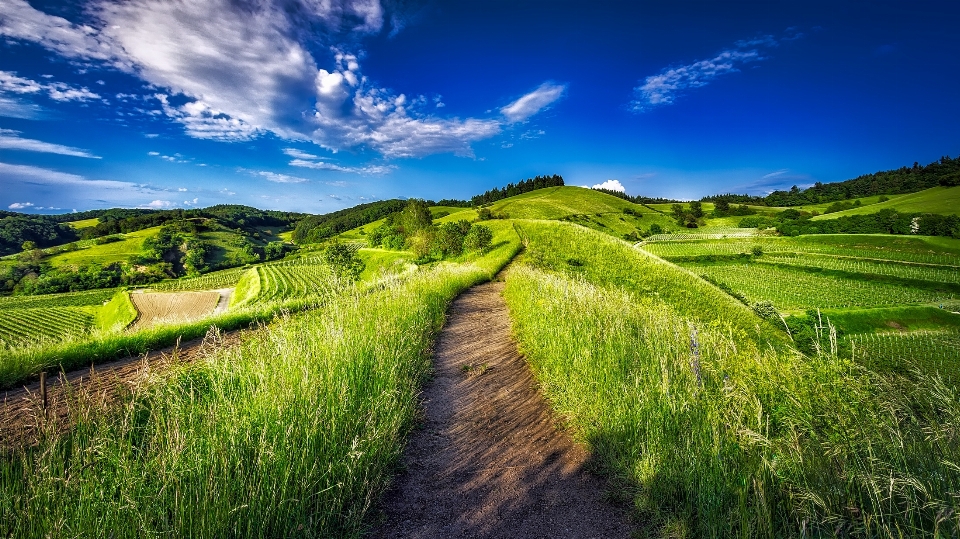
(161, 308)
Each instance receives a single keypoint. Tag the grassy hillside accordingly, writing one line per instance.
(703, 428)
(942, 200)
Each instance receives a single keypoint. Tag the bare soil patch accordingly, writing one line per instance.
(489, 459)
(93, 390)
(163, 307)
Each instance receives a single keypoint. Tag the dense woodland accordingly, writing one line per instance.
(317, 228)
(945, 172)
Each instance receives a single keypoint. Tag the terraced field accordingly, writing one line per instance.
(930, 351)
(297, 278)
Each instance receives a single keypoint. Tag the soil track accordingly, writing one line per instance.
(489, 460)
(93, 389)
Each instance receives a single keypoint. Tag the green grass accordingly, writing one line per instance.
(943, 200)
(382, 262)
(917, 249)
(119, 251)
(84, 223)
(247, 288)
(893, 319)
(117, 314)
(936, 351)
(295, 432)
(708, 432)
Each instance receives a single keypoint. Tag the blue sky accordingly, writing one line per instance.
(316, 105)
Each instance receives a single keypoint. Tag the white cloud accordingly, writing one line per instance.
(10, 83)
(20, 205)
(534, 102)
(293, 152)
(10, 140)
(153, 153)
(323, 165)
(254, 74)
(663, 88)
(777, 173)
(611, 185)
(181, 189)
(158, 204)
(280, 178)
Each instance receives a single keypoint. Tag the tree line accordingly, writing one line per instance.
(943, 172)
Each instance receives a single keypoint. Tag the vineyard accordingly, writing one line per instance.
(304, 277)
(69, 299)
(707, 234)
(900, 270)
(211, 281)
(931, 351)
(36, 325)
(792, 290)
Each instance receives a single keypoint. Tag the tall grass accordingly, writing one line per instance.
(710, 432)
(291, 434)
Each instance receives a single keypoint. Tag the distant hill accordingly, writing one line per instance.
(944, 172)
(939, 200)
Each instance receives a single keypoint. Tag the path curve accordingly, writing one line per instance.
(489, 459)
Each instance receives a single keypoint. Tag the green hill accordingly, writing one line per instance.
(942, 200)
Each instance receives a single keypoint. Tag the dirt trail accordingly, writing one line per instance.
(489, 460)
(21, 411)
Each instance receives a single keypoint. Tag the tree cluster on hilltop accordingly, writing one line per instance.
(524, 186)
(317, 228)
(943, 172)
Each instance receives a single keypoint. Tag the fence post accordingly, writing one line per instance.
(43, 390)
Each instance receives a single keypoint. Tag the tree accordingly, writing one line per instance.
(696, 209)
(414, 217)
(29, 245)
(450, 237)
(343, 261)
(478, 239)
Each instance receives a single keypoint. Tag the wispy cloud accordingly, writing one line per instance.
(528, 105)
(293, 152)
(665, 87)
(369, 170)
(20, 205)
(10, 140)
(10, 83)
(279, 178)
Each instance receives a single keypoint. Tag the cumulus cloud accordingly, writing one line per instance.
(20, 205)
(10, 140)
(255, 75)
(534, 102)
(665, 87)
(611, 185)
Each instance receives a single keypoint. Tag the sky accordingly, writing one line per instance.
(318, 105)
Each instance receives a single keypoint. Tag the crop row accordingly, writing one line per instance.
(791, 289)
(281, 281)
(931, 351)
(937, 274)
(21, 326)
(68, 299)
(211, 281)
(712, 234)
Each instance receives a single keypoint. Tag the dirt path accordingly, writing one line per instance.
(21, 412)
(489, 460)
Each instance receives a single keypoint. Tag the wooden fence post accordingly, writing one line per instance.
(43, 390)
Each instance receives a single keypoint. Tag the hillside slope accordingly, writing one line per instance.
(942, 200)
